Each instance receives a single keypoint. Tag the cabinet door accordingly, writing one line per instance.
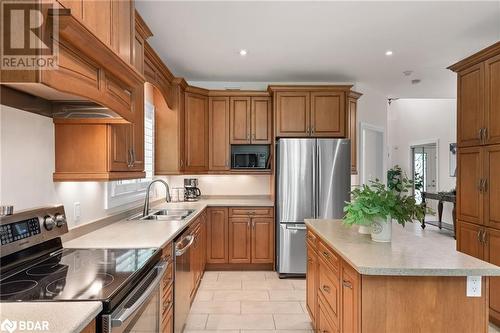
(240, 120)
(196, 132)
(239, 240)
(138, 53)
(97, 16)
(469, 194)
(468, 240)
(492, 186)
(350, 300)
(352, 129)
(492, 100)
(119, 148)
(311, 283)
(262, 240)
(261, 120)
(217, 236)
(328, 114)
(492, 255)
(470, 105)
(204, 242)
(328, 288)
(137, 140)
(194, 263)
(324, 323)
(292, 114)
(219, 133)
(122, 26)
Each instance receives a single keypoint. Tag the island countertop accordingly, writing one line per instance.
(412, 252)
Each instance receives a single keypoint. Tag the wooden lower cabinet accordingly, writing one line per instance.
(217, 236)
(492, 255)
(167, 292)
(240, 236)
(342, 300)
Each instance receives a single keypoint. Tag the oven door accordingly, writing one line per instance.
(140, 311)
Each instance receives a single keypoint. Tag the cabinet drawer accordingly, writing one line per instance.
(328, 256)
(329, 289)
(168, 278)
(251, 211)
(167, 251)
(167, 300)
(325, 324)
(312, 240)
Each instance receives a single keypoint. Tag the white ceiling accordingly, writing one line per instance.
(323, 41)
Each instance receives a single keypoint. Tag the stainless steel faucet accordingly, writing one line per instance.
(145, 211)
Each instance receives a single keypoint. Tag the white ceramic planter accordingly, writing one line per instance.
(382, 230)
(365, 229)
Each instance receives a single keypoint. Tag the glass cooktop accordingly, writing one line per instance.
(76, 274)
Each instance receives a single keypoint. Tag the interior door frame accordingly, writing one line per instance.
(363, 126)
(413, 144)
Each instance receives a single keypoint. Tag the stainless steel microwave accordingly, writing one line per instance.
(250, 157)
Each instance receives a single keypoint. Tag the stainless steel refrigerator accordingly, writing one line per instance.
(313, 181)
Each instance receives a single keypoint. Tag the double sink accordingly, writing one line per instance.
(173, 215)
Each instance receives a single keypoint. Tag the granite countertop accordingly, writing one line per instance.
(412, 252)
(156, 233)
(59, 316)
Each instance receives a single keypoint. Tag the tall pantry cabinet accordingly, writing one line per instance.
(478, 165)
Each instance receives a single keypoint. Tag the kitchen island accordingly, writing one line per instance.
(416, 283)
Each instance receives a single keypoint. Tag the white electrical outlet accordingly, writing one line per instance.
(76, 211)
(474, 286)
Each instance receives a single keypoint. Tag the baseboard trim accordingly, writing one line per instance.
(239, 267)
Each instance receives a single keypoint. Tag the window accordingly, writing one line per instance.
(123, 192)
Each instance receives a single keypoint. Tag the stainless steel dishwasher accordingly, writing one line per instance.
(183, 280)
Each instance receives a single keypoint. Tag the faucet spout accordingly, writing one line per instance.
(145, 210)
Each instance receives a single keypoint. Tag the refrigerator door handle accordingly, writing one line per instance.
(317, 179)
(296, 227)
(314, 179)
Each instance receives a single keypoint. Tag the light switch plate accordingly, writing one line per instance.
(76, 211)
(473, 286)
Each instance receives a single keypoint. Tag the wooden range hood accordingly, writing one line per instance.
(88, 71)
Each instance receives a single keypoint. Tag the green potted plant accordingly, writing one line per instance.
(375, 205)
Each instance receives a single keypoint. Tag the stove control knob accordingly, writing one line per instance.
(60, 220)
(49, 222)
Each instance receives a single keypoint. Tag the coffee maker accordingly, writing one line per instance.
(191, 190)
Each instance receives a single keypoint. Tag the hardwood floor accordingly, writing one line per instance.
(248, 302)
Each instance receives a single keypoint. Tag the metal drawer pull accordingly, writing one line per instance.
(326, 254)
(326, 288)
(347, 284)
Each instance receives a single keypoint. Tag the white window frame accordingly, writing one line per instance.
(124, 192)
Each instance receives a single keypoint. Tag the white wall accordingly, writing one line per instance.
(227, 184)
(416, 121)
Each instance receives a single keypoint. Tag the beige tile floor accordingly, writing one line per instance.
(251, 302)
(248, 302)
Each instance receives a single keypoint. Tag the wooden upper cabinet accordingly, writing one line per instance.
(240, 120)
(219, 133)
(492, 105)
(468, 240)
(492, 186)
(262, 240)
(120, 141)
(469, 178)
(328, 114)
(292, 114)
(239, 240)
(352, 132)
(261, 120)
(470, 104)
(196, 132)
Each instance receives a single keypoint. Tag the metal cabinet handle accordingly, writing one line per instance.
(485, 185)
(480, 135)
(484, 237)
(326, 288)
(485, 134)
(312, 129)
(479, 236)
(347, 284)
(480, 185)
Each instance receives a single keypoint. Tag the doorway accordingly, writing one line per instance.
(372, 153)
(424, 164)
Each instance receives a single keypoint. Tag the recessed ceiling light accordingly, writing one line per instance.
(388, 53)
(243, 52)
